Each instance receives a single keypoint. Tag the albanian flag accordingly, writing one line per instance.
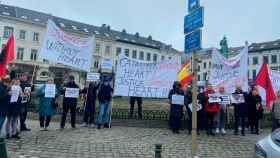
(7, 55)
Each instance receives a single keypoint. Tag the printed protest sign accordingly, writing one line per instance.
(237, 98)
(145, 79)
(228, 73)
(50, 90)
(67, 49)
(198, 106)
(177, 99)
(93, 76)
(72, 93)
(214, 98)
(15, 92)
(225, 99)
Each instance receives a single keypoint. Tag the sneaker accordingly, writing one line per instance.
(223, 131)
(239, 128)
(42, 128)
(46, 129)
(16, 136)
(84, 125)
(217, 131)
(25, 129)
(106, 125)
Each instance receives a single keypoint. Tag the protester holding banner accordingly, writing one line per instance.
(139, 103)
(104, 97)
(255, 110)
(26, 88)
(90, 96)
(276, 113)
(221, 115)
(239, 101)
(211, 109)
(70, 98)
(4, 100)
(46, 94)
(14, 110)
(176, 107)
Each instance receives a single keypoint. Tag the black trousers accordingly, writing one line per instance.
(72, 109)
(275, 124)
(23, 115)
(139, 103)
(199, 120)
(254, 123)
(236, 123)
(44, 121)
(89, 113)
(210, 121)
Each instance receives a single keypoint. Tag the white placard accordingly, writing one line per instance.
(228, 73)
(177, 99)
(72, 93)
(15, 92)
(214, 98)
(225, 99)
(145, 79)
(237, 98)
(93, 76)
(50, 90)
(27, 89)
(107, 64)
(198, 106)
(67, 49)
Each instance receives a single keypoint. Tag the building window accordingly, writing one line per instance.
(210, 64)
(204, 76)
(254, 73)
(107, 50)
(126, 52)
(198, 68)
(22, 34)
(96, 64)
(169, 58)
(273, 59)
(255, 60)
(36, 36)
(20, 53)
(118, 51)
(148, 56)
(141, 56)
(8, 31)
(33, 55)
(97, 48)
(265, 59)
(162, 57)
(204, 65)
(134, 54)
(198, 77)
(155, 57)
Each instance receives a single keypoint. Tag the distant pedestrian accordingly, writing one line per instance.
(14, 110)
(255, 110)
(4, 100)
(46, 106)
(90, 102)
(276, 113)
(69, 103)
(139, 103)
(221, 115)
(104, 97)
(176, 111)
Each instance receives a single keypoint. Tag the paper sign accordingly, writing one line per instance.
(50, 91)
(93, 76)
(214, 98)
(198, 106)
(237, 98)
(27, 89)
(15, 90)
(107, 64)
(72, 93)
(177, 99)
(225, 99)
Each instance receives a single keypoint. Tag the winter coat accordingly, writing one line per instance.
(91, 94)
(4, 99)
(105, 93)
(175, 110)
(255, 112)
(23, 85)
(210, 107)
(45, 104)
(241, 109)
(69, 101)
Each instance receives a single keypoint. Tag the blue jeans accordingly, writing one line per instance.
(2, 120)
(104, 111)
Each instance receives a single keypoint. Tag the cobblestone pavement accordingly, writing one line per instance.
(124, 142)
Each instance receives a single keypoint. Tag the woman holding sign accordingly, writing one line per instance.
(46, 94)
(176, 101)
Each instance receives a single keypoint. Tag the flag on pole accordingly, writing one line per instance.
(263, 80)
(7, 55)
(184, 76)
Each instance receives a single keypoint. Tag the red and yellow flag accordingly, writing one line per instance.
(184, 76)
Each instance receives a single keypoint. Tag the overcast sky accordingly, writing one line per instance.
(239, 20)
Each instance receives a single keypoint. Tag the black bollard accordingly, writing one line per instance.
(158, 150)
(3, 150)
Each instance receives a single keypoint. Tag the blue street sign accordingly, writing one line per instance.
(193, 41)
(194, 20)
(193, 4)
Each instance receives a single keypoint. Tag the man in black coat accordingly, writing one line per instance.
(69, 104)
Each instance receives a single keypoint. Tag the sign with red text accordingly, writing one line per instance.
(60, 47)
(145, 79)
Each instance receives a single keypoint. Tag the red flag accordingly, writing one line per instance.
(7, 55)
(263, 80)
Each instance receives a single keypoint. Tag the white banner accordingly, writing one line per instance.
(67, 49)
(50, 91)
(229, 72)
(72, 93)
(93, 76)
(145, 79)
(275, 79)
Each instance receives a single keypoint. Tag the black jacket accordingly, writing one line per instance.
(241, 110)
(69, 101)
(4, 99)
(91, 94)
(23, 85)
(252, 106)
(105, 93)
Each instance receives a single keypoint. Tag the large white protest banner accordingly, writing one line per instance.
(60, 47)
(229, 72)
(145, 79)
